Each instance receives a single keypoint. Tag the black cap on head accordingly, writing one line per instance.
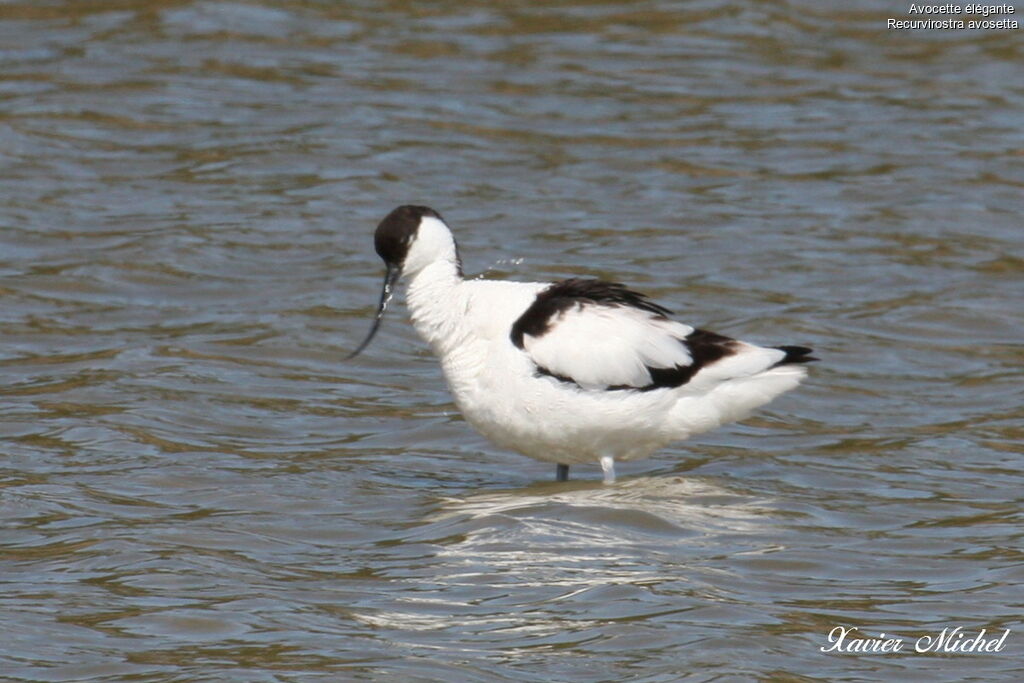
(392, 239)
(395, 232)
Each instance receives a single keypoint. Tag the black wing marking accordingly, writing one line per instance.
(703, 348)
(561, 296)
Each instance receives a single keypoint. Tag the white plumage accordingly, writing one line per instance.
(600, 346)
(571, 372)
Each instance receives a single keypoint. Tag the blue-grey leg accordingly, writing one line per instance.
(561, 472)
(608, 467)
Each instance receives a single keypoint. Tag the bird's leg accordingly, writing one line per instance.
(561, 472)
(608, 467)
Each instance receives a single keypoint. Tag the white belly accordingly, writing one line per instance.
(550, 420)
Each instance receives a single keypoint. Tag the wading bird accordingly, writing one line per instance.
(576, 371)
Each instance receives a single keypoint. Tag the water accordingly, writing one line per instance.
(195, 487)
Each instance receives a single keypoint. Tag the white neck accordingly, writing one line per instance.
(432, 300)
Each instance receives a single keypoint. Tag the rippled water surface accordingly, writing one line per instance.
(195, 487)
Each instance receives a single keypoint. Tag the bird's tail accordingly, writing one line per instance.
(795, 354)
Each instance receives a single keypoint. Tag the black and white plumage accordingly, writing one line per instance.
(575, 371)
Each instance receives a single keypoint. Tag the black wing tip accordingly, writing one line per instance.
(796, 354)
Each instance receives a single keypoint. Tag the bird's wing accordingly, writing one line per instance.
(601, 336)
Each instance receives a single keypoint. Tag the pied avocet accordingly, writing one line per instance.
(576, 371)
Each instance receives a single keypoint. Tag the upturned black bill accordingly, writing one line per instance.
(390, 279)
